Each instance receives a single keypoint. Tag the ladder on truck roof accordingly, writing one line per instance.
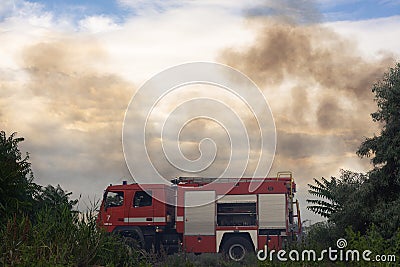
(207, 180)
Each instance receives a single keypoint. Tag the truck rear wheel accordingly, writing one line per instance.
(236, 248)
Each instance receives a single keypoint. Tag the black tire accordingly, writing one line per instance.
(134, 239)
(236, 248)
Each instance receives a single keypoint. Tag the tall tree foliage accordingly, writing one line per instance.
(384, 149)
(17, 189)
(327, 202)
(339, 200)
(39, 226)
(54, 197)
(360, 200)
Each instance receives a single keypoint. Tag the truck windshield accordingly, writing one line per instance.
(114, 199)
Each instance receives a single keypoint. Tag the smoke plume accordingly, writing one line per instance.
(319, 87)
(75, 128)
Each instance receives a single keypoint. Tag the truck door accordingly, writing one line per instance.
(141, 211)
(114, 208)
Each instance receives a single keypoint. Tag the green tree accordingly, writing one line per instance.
(327, 203)
(321, 235)
(55, 197)
(362, 200)
(384, 150)
(339, 200)
(39, 226)
(17, 188)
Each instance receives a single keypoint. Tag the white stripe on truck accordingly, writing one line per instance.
(138, 220)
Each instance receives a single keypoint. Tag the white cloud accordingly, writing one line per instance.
(143, 46)
(97, 24)
(374, 36)
(161, 5)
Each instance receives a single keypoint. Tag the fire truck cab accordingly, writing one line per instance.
(205, 215)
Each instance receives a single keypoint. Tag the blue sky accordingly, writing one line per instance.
(359, 10)
(119, 10)
(79, 9)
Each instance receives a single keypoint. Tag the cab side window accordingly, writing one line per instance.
(114, 199)
(142, 199)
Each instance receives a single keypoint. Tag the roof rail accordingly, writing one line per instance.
(195, 180)
(207, 180)
(284, 174)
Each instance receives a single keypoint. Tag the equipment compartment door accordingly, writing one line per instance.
(272, 211)
(200, 213)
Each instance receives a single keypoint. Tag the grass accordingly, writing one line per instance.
(59, 237)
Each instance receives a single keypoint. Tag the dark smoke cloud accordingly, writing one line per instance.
(304, 11)
(319, 87)
(75, 131)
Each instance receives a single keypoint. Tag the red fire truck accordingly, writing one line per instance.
(203, 215)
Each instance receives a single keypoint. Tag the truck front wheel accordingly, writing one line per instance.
(236, 248)
(134, 239)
